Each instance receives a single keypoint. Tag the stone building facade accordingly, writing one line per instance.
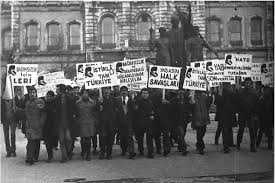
(58, 34)
(241, 27)
(41, 31)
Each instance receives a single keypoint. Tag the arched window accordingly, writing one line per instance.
(235, 31)
(107, 31)
(144, 23)
(74, 35)
(256, 31)
(55, 40)
(32, 36)
(213, 32)
(6, 40)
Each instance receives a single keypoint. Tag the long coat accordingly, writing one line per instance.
(35, 119)
(249, 104)
(200, 111)
(125, 121)
(267, 110)
(184, 112)
(51, 125)
(7, 112)
(227, 109)
(86, 117)
(107, 116)
(68, 113)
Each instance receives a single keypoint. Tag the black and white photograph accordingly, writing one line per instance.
(126, 91)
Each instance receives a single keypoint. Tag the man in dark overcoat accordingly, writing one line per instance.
(106, 124)
(64, 117)
(124, 109)
(248, 113)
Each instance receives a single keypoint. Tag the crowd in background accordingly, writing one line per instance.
(125, 117)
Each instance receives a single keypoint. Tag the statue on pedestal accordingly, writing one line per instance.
(162, 45)
(195, 44)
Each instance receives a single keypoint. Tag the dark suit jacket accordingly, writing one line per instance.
(124, 121)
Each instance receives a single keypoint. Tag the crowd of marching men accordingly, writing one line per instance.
(127, 115)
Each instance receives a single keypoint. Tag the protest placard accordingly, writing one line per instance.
(267, 74)
(195, 79)
(22, 74)
(47, 82)
(255, 72)
(80, 71)
(238, 65)
(102, 75)
(164, 77)
(214, 72)
(136, 86)
(131, 71)
(200, 64)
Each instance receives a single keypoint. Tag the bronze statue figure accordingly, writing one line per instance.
(162, 45)
(195, 44)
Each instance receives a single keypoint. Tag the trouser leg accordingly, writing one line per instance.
(131, 144)
(218, 133)
(7, 137)
(36, 149)
(166, 141)
(231, 138)
(200, 134)
(240, 133)
(62, 143)
(252, 134)
(157, 134)
(149, 140)
(226, 138)
(118, 137)
(102, 143)
(270, 137)
(88, 145)
(110, 140)
(49, 147)
(83, 147)
(23, 126)
(260, 135)
(69, 142)
(94, 140)
(30, 150)
(123, 139)
(13, 137)
(181, 134)
(140, 136)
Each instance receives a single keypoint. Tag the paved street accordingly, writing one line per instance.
(215, 166)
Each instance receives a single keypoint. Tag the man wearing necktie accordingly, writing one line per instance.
(124, 109)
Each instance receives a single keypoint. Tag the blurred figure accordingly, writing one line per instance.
(50, 130)
(124, 109)
(267, 117)
(145, 115)
(19, 101)
(9, 126)
(86, 119)
(35, 120)
(200, 117)
(64, 116)
(248, 113)
(106, 124)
